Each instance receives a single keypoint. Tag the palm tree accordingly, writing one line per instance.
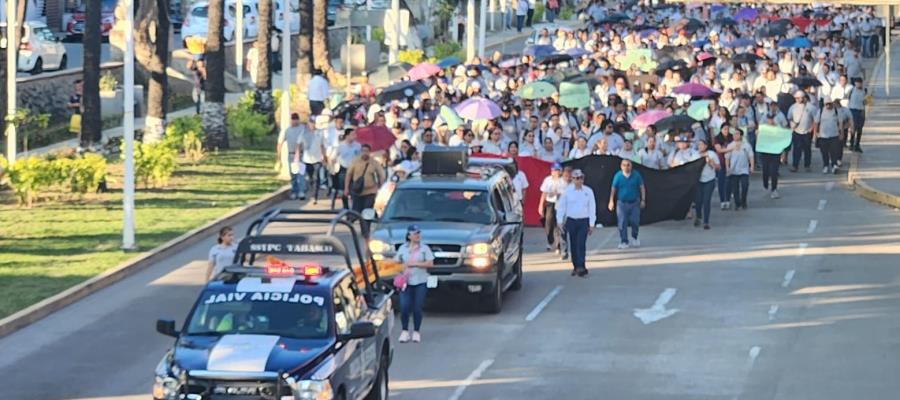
(263, 93)
(91, 124)
(304, 55)
(151, 50)
(320, 40)
(213, 111)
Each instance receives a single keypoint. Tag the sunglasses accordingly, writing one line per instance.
(578, 178)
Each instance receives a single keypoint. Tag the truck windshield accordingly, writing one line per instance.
(439, 205)
(293, 315)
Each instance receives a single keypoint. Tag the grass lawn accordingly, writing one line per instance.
(59, 243)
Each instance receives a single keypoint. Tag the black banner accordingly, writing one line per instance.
(669, 192)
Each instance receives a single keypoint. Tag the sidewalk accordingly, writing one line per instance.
(876, 173)
(493, 41)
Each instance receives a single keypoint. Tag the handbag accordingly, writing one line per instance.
(359, 184)
(400, 281)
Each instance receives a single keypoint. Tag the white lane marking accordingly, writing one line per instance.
(658, 311)
(471, 379)
(772, 311)
(599, 248)
(822, 204)
(813, 223)
(754, 353)
(540, 307)
(829, 186)
(801, 249)
(788, 277)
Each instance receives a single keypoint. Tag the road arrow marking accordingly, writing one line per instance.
(658, 311)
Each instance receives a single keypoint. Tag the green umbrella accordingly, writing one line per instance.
(642, 58)
(449, 116)
(536, 90)
(699, 110)
(574, 95)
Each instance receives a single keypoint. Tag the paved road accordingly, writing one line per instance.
(796, 298)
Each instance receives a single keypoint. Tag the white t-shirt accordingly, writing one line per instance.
(221, 257)
(520, 183)
(312, 146)
(553, 187)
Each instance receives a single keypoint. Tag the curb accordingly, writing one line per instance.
(134, 265)
(865, 190)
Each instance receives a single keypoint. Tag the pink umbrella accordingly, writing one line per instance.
(695, 90)
(648, 118)
(423, 70)
(477, 108)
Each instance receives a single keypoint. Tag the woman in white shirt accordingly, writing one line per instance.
(416, 258)
(222, 254)
(707, 184)
(527, 148)
(580, 150)
(548, 152)
(650, 156)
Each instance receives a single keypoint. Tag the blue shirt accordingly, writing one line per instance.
(628, 189)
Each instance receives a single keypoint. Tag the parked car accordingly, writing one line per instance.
(196, 22)
(75, 25)
(39, 48)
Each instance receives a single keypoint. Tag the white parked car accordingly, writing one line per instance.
(39, 48)
(196, 22)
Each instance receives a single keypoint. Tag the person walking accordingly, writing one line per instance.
(627, 197)
(311, 151)
(346, 152)
(703, 200)
(740, 164)
(551, 188)
(577, 211)
(522, 10)
(771, 163)
(828, 140)
(318, 92)
(416, 258)
(222, 253)
(291, 141)
(363, 179)
(802, 118)
(856, 102)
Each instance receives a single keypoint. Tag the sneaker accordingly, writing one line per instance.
(775, 194)
(556, 251)
(565, 256)
(623, 246)
(416, 338)
(825, 170)
(727, 205)
(635, 242)
(293, 196)
(302, 197)
(722, 205)
(549, 248)
(404, 337)
(839, 163)
(834, 170)
(696, 222)
(706, 227)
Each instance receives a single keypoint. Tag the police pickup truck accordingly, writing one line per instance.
(288, 321)
(470, 218)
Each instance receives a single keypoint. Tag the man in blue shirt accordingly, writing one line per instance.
(632, 196)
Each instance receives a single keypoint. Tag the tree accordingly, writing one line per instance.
(151, 50)
(320, 41)
(213, 112)
(263, 93)
(304, 54)
(91, 124)
(21, 8)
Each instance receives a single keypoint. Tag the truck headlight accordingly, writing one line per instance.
(378, 247)
(478, 249)
(314, 390)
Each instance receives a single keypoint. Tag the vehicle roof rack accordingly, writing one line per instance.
(318, 244)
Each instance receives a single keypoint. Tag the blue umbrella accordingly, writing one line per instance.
(539, 50)
(798, 42)
(701, 43)
(448, 62)
(576, 52)
(647, 33)
(741, 42)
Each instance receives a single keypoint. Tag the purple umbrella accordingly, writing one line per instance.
(695, 90)
(648, 118)
(477, 108)
(746, 13)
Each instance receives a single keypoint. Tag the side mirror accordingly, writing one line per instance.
(166, 327)
(369, 214)
(359, 330)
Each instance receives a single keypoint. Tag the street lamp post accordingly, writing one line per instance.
(11, 64)
(239, 40)
(482, 26)
(285, 114)
(128, 129)
(470, 30)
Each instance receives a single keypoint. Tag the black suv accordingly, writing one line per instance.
(470, 219)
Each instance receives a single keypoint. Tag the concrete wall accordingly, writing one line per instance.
(49, 92)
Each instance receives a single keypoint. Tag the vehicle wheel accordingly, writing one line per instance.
(63, 64)
(517, 269)
(380, 388)
(38, 67)
(495, 299)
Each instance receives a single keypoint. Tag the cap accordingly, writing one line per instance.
(681, 138)
(556, 166)
(413, 228)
